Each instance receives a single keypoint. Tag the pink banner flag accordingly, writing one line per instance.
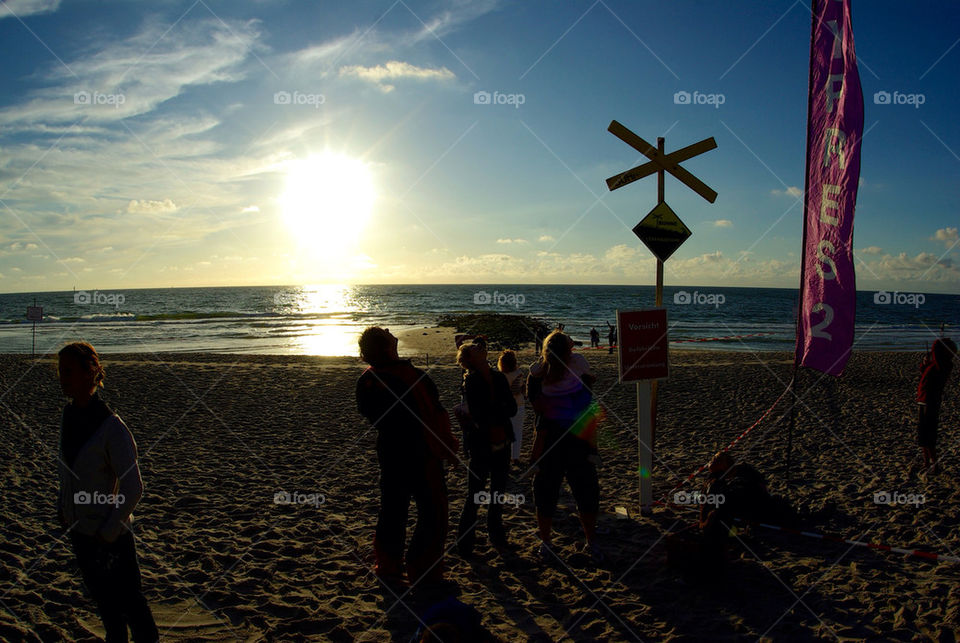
(828, 289)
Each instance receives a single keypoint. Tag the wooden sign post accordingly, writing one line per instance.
(662, 232)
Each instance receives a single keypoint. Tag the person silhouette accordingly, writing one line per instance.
(488, 436)
(507, 364)
(413, 440)
(611, 336)
(559, 389)
(936, 368)
(100, 485)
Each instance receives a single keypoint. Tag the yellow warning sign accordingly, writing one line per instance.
(662, 231)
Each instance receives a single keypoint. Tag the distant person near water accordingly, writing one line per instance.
(935, 370)
(611, 336)
(413, 440)
(100, 485)
(559, 388)
(488, 434)
(594, 338)
(507, 364)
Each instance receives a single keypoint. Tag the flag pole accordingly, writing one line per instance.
(803, 261)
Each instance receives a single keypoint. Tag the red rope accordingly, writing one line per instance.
(728, 447)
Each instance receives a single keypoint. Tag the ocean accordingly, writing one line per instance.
(325, 320)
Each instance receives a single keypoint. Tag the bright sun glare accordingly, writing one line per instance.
(327, 200)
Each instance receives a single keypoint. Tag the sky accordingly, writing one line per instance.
(275, 142)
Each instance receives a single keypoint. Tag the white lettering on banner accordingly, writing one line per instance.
(835, 148)
(832, 92)
(822, 256)
(837, 43)
(817, 330)
(826, 201)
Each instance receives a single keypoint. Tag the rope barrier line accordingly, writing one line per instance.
(726, 448)
(919, 553)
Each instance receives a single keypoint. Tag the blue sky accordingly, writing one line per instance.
(150, 144)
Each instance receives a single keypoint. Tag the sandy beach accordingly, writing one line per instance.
(219, 435)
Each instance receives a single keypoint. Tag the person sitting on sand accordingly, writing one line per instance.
(100, 485)
(936, 369)
(736, 490)
(559, 389)
(507, 364)
(487, 442)
(413, 439)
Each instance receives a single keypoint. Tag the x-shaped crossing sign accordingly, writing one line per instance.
(661, 162)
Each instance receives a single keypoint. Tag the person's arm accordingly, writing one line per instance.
(586, 375)
(442, 428)
(122, 458)
(375, 399)
(588, 379)
(923, 389)
(535, 393)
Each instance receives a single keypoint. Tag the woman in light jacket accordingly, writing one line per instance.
(99, 487)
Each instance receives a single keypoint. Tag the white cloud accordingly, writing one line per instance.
(723, 223)
(120, 80)
(947, 235)
(516, 241)
(394, 70)
(151, 207)
(620, 263)
(449, 20)
(250, 209)
(792, 191)
(24, 8)
(545, 238)
(903, 270)
(871, 250)
(17, 246)
(375, 41)
(330, 50)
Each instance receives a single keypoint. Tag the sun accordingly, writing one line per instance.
(327, 201)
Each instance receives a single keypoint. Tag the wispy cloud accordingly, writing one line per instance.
(133, 76)
(723, 223)
(24, 8)
(151, 207)
(383, 75)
